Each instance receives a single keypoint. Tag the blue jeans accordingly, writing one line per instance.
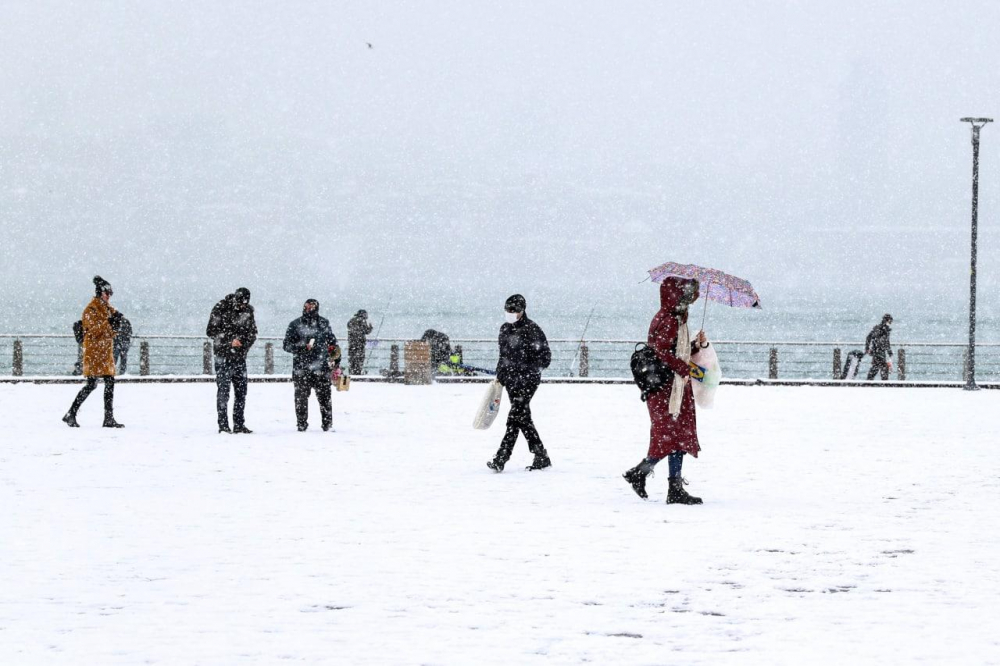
(231, 371)
(674, 462)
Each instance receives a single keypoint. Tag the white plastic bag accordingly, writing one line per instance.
(489, 407)
(704, 388)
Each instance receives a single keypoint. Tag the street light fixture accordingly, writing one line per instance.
(970, 370)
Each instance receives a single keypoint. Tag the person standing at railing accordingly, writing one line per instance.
(358, 330)
(878, 346)
(524, 353)
(233, 331)
(673, 425)
(98, 354)
(123, 342)
(311, 342)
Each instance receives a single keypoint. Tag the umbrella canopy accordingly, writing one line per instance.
(713, 284)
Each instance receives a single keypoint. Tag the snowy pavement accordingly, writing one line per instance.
(839, 526)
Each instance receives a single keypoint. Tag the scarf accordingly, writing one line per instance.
(683, 352)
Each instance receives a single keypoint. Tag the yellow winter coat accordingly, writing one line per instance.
(98, 340)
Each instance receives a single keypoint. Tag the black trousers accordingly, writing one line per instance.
(304, 385)
(231, 371)
(879, 365)
(519, 421)
(356, 357)
(88, 388)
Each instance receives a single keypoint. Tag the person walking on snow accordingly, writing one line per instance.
(524, 353)
(673, 428)
(877, 344)
(98, 354)
(312, 342)
(233, 331)
(358, 329)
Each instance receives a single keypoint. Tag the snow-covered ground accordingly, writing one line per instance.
(840, 525)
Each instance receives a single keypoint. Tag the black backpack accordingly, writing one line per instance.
(648, 371)
(78, 332)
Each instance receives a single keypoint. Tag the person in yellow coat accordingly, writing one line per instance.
(98, 354)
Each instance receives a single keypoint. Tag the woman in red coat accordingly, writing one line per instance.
(673, 424)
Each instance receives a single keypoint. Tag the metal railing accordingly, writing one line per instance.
(56, 355)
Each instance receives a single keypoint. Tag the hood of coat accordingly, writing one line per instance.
(314, 312)
(671, 291)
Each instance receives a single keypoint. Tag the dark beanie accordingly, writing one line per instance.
(515, 303)
(314, 302)
(243, 295)
(101, 286)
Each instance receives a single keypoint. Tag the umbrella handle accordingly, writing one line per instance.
(705, 311)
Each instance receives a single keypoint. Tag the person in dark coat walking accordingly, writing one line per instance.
(358, 328)
(524, 353)
(673, 424)
(878, 346)
(233, 331)
(312, 342)
(98, 357)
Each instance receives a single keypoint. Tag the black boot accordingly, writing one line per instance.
(540, 462)
(224, 427)
(109, 422)
(677, 494)
(242, 430)
(637, 479)
(496, 465)
(70, 420)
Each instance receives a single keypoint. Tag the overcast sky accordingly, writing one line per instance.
(480, 148)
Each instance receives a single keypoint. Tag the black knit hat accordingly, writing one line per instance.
(102, 286)
(243, 295)
(515, 303)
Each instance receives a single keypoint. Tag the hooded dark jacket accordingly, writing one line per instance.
(310, 326)
(877, 343)
(524, 353)
(358, 328)
(232, 319)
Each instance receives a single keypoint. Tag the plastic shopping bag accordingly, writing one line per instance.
(707, 377)
(489, 407)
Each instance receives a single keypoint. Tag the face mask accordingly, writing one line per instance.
(511, 317)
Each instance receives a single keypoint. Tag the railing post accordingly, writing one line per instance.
(144, 358)
(394, 361)
(965, 365)
(206, 358)
(269, 358)
(772, 364)
(584, 360)
(17, 365)
(836, 363)
(459, 353)
(901, 360)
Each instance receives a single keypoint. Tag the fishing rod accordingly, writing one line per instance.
(378, 331)
(582, 336)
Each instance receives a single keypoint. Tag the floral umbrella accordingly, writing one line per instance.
(713, 284)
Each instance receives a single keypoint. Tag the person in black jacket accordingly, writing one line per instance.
(233, 331)
(358, 329)
(312, 342)
(123, 341)
(524, 353)
(877, 344)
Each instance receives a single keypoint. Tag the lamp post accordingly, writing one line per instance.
(970, 370)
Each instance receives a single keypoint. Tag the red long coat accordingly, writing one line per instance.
(667, 434)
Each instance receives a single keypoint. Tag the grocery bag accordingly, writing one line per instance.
(489, 407)
(707, 377)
